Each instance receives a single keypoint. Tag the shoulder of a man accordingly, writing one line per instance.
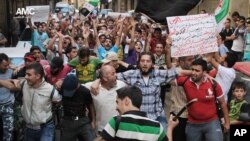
(108, 132)
(73, 62)
(50, 91)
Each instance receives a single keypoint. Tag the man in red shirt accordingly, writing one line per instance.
(56, 72)
(202, 115)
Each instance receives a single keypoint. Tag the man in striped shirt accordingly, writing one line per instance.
(132, 124)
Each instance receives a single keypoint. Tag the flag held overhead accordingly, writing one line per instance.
(158, 10)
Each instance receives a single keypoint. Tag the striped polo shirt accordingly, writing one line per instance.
(133, 125)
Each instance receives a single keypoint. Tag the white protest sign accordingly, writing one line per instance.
(117, 14)
(14, 52)
(41, 13)
(192, 35)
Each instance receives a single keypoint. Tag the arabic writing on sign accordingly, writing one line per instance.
(193, 34)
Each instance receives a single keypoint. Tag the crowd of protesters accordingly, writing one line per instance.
(79, 72)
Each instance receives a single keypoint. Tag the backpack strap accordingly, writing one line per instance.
(22, 84)
(52, 93)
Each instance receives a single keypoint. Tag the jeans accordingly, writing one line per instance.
(210, 130)
(46, 133)
(77, 129)
(7, 112)
(163, 121)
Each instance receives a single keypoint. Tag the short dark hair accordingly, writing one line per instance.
(69, 49)
(34, 48)
(56, 62)
(147, 53)
(239, 85)
(83, 52)
(229, 19)
(235, 13)
(242, 18)
(138, 30)
(133, 93)
(231, 59)
(78, 36)
(37, 67)
(200, 62)
(3, 56)
(158, 30)
(223, 36)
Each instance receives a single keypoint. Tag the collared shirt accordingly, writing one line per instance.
(204, 110)
(151, 103)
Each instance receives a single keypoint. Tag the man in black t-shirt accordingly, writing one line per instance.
(75, 123)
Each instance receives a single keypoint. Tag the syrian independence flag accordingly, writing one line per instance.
(158, 10)
(221, 13)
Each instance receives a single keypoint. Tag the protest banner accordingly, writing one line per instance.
(192, 35)
(115, 15)
(40, 13)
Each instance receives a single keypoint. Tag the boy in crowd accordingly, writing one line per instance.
(238, 104)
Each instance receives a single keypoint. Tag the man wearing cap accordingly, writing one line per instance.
(28, 59)
(120, 66)
(75, 123)
(37, 98)
(104, 102)
(85, 66)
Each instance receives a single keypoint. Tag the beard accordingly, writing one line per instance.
(144, 72)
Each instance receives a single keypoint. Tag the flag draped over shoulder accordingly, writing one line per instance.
(158, 10)
(221, 13)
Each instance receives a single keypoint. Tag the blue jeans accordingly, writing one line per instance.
(46, 133)
(211, 131)
(163, 121)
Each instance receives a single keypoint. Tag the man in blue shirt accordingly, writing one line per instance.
(148, 80)
(6, 98)
(38, 37)
(107, 46)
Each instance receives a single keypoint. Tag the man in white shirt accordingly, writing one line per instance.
(225, 72)
(104, 102)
